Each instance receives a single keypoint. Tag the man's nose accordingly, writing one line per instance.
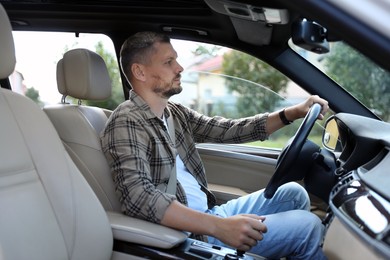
(179, 67)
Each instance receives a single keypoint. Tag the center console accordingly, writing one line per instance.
(189, 249)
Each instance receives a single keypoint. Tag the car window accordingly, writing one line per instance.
(219, 81)
(37, 54)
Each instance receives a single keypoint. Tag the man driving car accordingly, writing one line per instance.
(143, 155)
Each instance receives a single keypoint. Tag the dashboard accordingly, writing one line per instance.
(361, 197)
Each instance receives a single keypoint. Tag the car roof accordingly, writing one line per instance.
(118, 15)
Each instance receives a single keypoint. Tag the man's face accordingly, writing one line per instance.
(164, 71)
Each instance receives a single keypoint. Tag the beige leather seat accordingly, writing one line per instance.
(82, 74)
(48, 211)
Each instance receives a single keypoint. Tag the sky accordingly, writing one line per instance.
(37, 54)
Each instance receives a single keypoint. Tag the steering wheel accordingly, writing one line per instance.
(290, 153)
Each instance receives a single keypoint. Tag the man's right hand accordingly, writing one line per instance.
(241, 231)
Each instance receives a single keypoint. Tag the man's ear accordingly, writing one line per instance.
(138, 71)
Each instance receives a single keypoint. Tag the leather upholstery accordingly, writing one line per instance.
(78, 128)
(61, 84)
(48, 210)
(7, 48)
(82, 74)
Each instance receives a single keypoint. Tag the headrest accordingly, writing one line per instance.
(61, 85)
(7, 48)
(83, 74)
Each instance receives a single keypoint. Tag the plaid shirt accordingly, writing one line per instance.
(141, 154)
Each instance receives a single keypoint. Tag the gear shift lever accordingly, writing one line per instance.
(239, 254)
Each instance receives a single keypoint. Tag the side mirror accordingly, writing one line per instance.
(330, 137)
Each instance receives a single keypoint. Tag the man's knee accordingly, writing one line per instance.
(296, 191)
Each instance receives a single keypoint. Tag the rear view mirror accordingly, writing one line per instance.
(310, 36)
(330, 137)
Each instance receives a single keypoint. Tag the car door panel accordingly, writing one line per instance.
(232, 174)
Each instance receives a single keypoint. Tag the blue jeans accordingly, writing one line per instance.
(293, 231)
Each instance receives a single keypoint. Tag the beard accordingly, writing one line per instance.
(167, 89)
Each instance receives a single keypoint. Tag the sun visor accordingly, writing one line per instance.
(247, 19)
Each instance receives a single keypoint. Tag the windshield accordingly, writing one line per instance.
(357, 74)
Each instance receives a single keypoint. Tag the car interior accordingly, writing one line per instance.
(57, 196)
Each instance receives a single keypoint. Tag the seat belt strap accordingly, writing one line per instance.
(172, 183)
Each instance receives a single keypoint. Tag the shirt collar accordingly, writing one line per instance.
(141, 104)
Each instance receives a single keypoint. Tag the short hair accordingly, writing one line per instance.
(138, 49)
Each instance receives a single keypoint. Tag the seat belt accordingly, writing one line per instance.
(171, 187)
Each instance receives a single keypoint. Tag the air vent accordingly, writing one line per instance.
(344, 181)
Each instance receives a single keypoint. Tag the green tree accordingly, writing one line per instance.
(33, 94)
(253, 99)
(365, 80)
(113, 71)
(206, 50)
(221, 109)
